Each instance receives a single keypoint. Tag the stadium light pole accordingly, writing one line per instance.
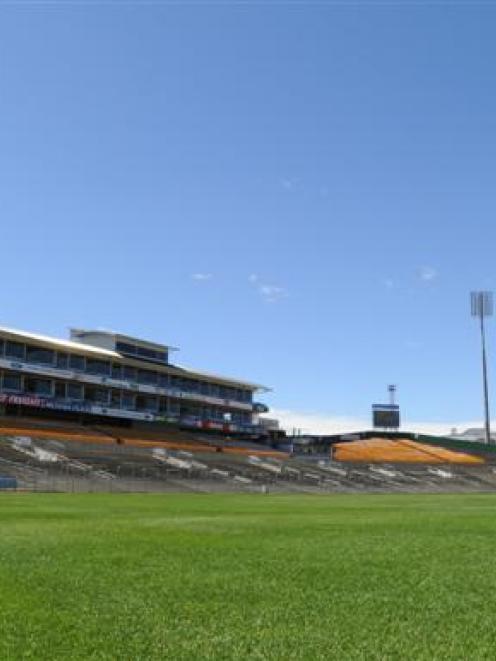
(482, 307)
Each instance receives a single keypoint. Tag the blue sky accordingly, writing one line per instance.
(299, 195)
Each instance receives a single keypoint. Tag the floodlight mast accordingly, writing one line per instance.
(482, 307)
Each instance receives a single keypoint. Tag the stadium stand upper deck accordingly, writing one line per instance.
(102, 375)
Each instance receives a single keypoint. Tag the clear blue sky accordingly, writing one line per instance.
(298, 195)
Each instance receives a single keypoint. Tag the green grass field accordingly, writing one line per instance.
(247, 577)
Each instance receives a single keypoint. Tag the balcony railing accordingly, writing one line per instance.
(95, 408)
(73, 375)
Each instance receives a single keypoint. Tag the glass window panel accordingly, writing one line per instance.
(147, 377)
(76, 362)
(60, 389)
(128, 400)
(145, 353)
(123, 347)
(129, 373)
(151, 354)
(14, 349)
(11, 381)
(97, 395)
(62, 360)
(146, 403)
(115, 399)
(116, 371)
(74, 391)
(39, 355)
(163, 380)
(99, 367)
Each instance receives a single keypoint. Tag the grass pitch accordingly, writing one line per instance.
(247, 577)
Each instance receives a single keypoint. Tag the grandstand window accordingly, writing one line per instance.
(95, 394)
(39, 355)
(190, 385)
(2, 347)
(115, 399)
(146, 403)
(143, 352)
(129, 373)
(123, 347)
(175, 382)
(76, 362)
(163, 380)
(214, 390)
(62, 360)
(37, 386)
(14, 350)
(116, 371)
(189, 410)
(128, 401)
(174, 407)
(162, 405)
(60, 389)
(74, 391)
(216, 413)
(151, 354)
(100, 367)
(147, 377)
(11, 382)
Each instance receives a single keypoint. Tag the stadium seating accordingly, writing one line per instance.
(54, 462)
(380, 450)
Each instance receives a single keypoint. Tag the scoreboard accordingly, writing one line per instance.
(386, 416)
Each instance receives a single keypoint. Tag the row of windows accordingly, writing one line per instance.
(97, 367)
(121, 399)
(141, 352)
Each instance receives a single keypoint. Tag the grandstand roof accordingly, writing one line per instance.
(212, 375)
(69, 345)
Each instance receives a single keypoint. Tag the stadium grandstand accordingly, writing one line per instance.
(102, 376)
(51, 457)
(105, 411)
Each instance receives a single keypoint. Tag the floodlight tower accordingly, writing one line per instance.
(482, 307)
(392, 394)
